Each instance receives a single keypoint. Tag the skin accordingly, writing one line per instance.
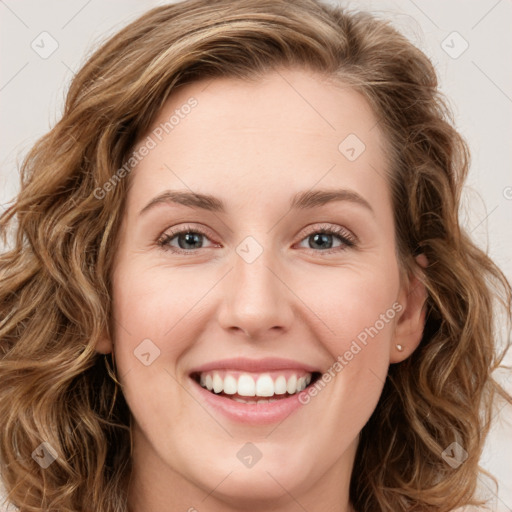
(254, 145)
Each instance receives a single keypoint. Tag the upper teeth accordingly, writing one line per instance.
(246, 384)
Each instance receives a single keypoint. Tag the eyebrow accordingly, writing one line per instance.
(301, 201)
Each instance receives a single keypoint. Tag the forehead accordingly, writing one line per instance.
(289, 130)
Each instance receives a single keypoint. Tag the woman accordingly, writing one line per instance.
(167, 342)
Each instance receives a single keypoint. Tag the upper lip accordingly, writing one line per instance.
(254, 365)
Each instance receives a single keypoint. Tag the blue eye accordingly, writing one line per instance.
(323, 239)
(189, 239)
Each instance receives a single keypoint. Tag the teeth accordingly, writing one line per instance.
(230, 385)
(280, 385)
(265, 386)
(291, 386)
(218, 383)
(248, 385)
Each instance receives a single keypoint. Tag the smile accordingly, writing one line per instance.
(254, 388)
(253, 391)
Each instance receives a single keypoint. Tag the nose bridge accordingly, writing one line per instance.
(255, 300)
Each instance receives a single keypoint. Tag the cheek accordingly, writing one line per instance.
(360, 311)
(154, 326)
(356, 306)
(175, 303)
(156, 305)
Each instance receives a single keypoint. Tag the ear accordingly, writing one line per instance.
(104, 344)
(411, 321)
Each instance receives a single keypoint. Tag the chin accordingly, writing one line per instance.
(257, 486)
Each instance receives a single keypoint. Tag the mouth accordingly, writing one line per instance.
(255, 388)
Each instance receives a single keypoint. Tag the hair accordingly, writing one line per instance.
(55, 296)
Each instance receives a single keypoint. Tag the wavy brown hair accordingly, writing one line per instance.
(55, 295)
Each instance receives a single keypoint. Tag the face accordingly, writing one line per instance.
(288, 273)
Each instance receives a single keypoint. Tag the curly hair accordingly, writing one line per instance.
(55, 295)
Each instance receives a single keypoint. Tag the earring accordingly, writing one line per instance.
(399, 347)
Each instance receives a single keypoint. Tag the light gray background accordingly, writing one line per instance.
(478, 84)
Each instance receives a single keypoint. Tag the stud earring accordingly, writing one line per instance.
(399, 347)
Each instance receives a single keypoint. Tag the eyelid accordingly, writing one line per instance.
(172, 232)
(348, 238)
(335, 229)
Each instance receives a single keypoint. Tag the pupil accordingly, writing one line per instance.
(323, 237)
(189, 239)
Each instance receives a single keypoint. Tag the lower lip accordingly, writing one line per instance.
(254, 414)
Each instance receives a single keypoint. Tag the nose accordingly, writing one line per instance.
(256, 299)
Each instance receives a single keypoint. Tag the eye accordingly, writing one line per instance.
(321, 240)
(187, 239)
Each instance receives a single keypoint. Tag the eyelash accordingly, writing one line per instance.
(348, 240)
